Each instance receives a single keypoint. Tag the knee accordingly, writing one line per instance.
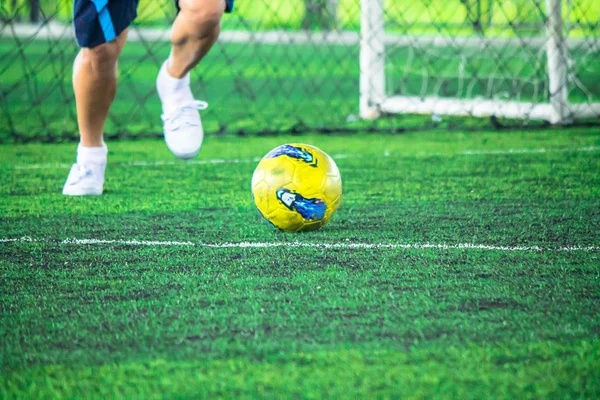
(101, 56)
(205, 16)
(104, 55)
(208, 22)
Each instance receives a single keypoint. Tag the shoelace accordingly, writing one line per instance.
(82, 172)
(174, 119)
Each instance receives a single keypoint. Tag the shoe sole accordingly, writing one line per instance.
(82, 193)
(185, 156)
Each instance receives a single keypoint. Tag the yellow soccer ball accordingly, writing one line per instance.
(297, 187)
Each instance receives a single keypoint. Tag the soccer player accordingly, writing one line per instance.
(101, 30)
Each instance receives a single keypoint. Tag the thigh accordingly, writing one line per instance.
(100, 21)
(228, 5)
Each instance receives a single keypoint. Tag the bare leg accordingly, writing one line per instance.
(95, 85)
(195, 30)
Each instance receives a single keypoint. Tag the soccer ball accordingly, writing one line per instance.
(297, 187)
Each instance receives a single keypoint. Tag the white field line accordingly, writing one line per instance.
(334, 156)
(529, 151)
(343, 246)
(151, 163)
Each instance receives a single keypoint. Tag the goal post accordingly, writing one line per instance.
(556, 53)
(372, 53)
(550, 45)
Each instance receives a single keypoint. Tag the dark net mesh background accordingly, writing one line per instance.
(293, 66)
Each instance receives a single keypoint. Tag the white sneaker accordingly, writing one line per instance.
(85, 180)
(183, 129)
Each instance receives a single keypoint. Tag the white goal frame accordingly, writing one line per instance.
(374, 102)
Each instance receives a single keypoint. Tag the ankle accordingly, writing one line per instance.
(92, 154)
(173, 91)
(174, 72)
(169, 82)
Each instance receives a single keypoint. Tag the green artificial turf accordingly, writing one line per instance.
(138, 319)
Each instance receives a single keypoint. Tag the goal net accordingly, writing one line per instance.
(518, 59)
(324, 65)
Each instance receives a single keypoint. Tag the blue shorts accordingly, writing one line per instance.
(100, 21)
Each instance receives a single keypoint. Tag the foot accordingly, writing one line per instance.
(183, 129)
(85, 180)
(181, 119)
